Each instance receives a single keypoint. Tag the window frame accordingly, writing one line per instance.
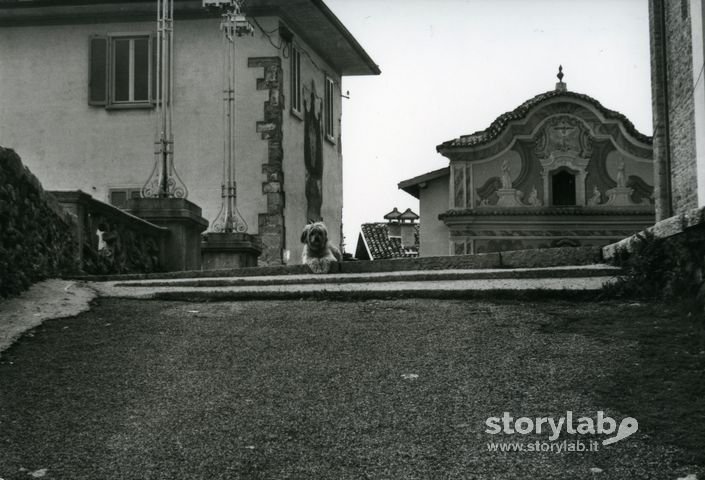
(108, 101)
(128, 190)
(329, 108)
(295, 90)
(113, 39)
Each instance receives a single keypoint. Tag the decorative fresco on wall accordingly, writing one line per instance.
(313, 158)
(558, 170)
(562, 149)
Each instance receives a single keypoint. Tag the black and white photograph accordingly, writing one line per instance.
(352, 239)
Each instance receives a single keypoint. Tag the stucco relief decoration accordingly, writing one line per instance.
(564, 142)
(508, 196)
(534, 200)
(621, 195)
(459, 185)
(596, 198)
(313, 158)
(488, 190)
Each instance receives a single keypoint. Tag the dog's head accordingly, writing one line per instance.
(315, 235)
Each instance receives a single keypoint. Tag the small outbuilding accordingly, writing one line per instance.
(398, 237)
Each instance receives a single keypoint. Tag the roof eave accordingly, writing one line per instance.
(412, 186)
(373, 68)
(344, 54)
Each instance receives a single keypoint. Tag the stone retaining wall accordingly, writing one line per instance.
(129, 244)
(37, 238)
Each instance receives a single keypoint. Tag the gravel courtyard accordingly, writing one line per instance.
(383, 389)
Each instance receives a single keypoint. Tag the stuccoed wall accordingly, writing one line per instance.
(100, 149)
(434, 236)
(36, 235)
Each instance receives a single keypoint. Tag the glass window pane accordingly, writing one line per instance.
(122, 70)
(141, 69)
(118, 198)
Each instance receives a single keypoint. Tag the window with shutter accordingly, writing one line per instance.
(295, 65)
(122, 71)
(98, 81)
(328, 109)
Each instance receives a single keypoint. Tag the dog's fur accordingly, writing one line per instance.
(318, 252)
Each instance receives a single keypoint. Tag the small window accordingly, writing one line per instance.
(122, 71)
(295, 59)
(563, 188)
(120, 196)
(329, 119)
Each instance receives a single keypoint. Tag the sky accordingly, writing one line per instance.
(450, 67)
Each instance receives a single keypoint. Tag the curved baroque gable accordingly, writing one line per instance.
(525, 120)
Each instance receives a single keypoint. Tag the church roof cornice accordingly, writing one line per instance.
(501, 123)
(548, 211)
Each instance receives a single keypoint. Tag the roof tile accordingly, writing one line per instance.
(380, 246)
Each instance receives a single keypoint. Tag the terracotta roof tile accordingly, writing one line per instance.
(380, 246)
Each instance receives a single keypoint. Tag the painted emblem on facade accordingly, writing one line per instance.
(313, 158)
(563, 135)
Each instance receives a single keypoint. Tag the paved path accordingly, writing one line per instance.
(400, 389)
(43, 301)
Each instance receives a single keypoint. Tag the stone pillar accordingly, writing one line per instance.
(74, 202)
(230, 250)
(181, 250)
(659, 101)
(698, 33)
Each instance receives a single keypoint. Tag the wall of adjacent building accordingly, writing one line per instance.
(313, 72)
(673, 103)
(72, 145)
(433, 233)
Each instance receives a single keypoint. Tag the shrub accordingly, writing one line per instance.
(667, 269)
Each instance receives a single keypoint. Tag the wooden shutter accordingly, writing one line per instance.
(98, 71)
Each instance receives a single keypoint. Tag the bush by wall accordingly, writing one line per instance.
(668, 269)
(36, 235)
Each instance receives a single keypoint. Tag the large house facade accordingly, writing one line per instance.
(77, 102)
(559, 170)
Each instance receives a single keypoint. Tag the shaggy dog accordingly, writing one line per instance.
(318, 252)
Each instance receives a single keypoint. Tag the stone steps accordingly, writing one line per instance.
(549, 257)
(529, 283)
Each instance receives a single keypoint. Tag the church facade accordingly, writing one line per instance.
(78, 104)
(559, 170)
